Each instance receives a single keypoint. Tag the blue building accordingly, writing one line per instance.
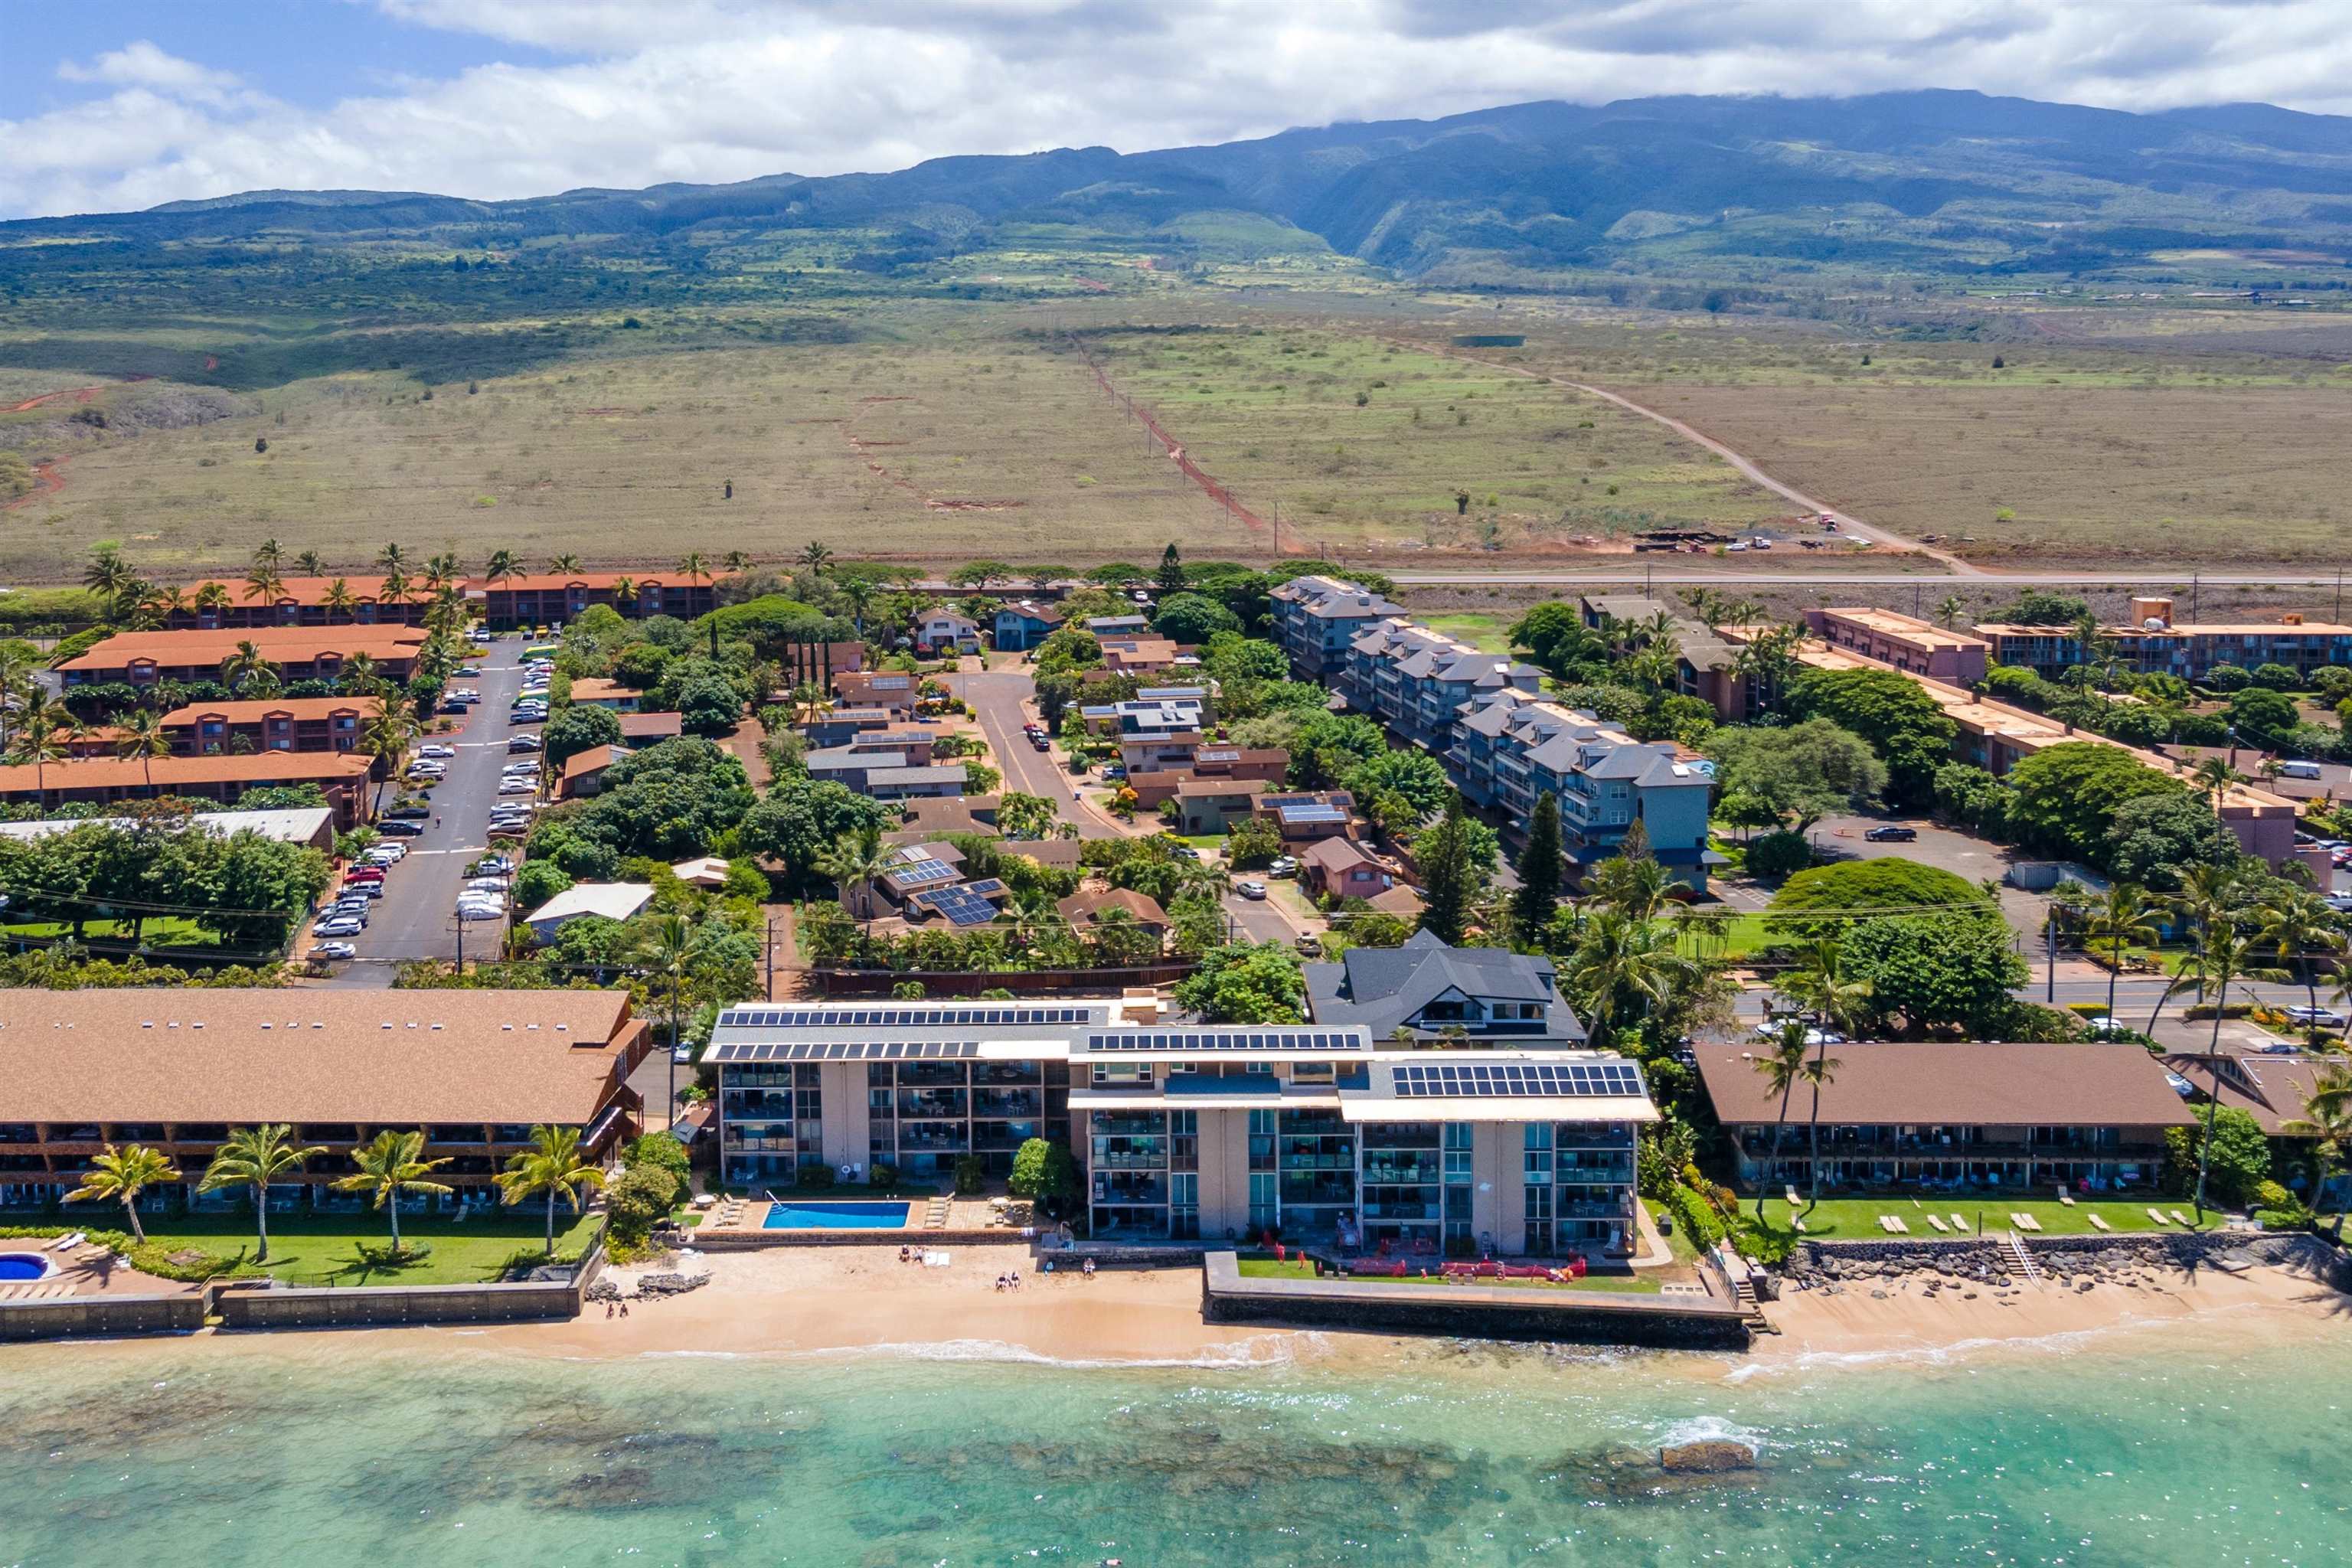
(1315, 619)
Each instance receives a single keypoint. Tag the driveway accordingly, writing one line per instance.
(417, 917)
(1002, 701)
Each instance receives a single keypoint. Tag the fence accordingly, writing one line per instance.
(1175, 449)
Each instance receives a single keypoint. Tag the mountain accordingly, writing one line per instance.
(1932, 180)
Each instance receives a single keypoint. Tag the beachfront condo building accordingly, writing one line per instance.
(1313, 1131)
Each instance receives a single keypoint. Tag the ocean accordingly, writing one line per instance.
(422, 1447)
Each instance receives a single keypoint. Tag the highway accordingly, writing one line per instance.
(1746, 571)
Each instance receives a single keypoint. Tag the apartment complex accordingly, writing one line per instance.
(1417, 682)
(176, 1069)
(1904, 642)
(269, 724)
(216, 602)
(341, 776)
(1313, 1131)
(1944, 1116)
(1317, 620)
(2151, 643)
(300, 653)
(549, 598)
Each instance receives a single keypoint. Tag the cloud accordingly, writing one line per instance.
(725, 89)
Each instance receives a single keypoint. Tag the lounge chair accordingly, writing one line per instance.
(1895, 1223)
(1791, 1191)
(1800, 1225)
(2065, 1197)
(1940, 1227)
(1960, 1224)
(2098, 1224)
(1886, 1223)
(69, 1242)
(2027, 1222)
(2183, 1221)
(2157, 1215)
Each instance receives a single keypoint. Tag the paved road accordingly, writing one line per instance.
(1000, 702)
(417, 917)
(1748, 570)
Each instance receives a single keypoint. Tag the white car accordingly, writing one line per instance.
(519, 770)
(337, 925)
(386, 855)
(481, 912)
(517, 786)
(1250, 890)
(495, 865)
(494, 886)
(436, 750)
(333, 950)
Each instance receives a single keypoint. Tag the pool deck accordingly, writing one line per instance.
(87, 1271)
(929, 1220)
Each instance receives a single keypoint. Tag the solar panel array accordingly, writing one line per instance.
(1313, 814)
(915, 873)
(901, 1018)
(962, 906)
(1194, 1040)
(844, 1050)
(1199, 756)
(986, 885)
(1491, 1080)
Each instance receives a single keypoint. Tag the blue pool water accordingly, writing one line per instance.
(833, 1216)
(16, 1266)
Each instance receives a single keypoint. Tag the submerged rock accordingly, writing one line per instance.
(1713, 1457)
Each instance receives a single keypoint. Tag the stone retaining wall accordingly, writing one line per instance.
(2065, 1256)
(70, 1316)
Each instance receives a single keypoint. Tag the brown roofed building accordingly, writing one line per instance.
(894, 689)
(648, 729)
(1341, 869)
(304, 602)
(300, 653)
(1138, 655)
(1213, 804)
(269, 724)
(598, 693)
(583, 771)
(1956, 1115)
(2271, 1086)
(175, 1070)
(546, 598)
(936, 816)
(342, 776)
(1086, 908)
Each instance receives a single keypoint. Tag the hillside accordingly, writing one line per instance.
(1934, 182)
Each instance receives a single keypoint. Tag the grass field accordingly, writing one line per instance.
(1848, 1218)
(326, 1249)
(1626, 1284)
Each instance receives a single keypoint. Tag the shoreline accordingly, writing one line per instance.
(838, 1302)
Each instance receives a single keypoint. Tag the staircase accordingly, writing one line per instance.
(935, 1217)
(2023, 1258)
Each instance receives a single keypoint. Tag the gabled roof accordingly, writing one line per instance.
(1966, 1084)
(1335, 853)
(614, 900)
(1087, 906)
(1383, 987)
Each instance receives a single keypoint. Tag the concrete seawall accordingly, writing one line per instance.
(75, 1316)
(1471, 1311)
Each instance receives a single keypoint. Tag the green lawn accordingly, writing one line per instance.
(1629, 1284)
(325, 1249)
(1844, 1219)
(1490, 633)
(1734, 937)
(162, 930)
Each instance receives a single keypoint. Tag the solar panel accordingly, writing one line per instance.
(1216, 756)
(1313, 814)
(1228, 1040)
(985, 886)
(937, 1017)
(845, 1051)
(914, 873)
(962, 906)
(1490, 1081)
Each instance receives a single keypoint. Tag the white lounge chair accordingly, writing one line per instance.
(1791, 1191)
(2183, 1221)
(2065, 1197)
(1960, 1224)
(69, 1242)
(2157, 1215)
(1800, 1225)
(2098, 1224)
(1941, 1228)
(1895, 1223)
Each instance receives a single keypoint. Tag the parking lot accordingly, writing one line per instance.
(417, 917)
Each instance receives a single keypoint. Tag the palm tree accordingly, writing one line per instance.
(43, 735)
(673, 950)
(394, 592)
(1634, 886)
(736, 562)
(500, 566)
(1618, 960)
(1820, 1072)
(1818, 983)
(625, 593)
(690, 567)
(163, 603)
(384, 734)
(564, 565)
(2214, 779)
(143, 736)
(552, 1165)
(2224, 958)
(391, 1165)
(442, 571)
(2297, 926)
(122, 1178)
(2123, 917)
(816, 557)
(248, 665)
(392, 558)
(2328, 1118)
(362, 677)
(855, 860)
(254, 1157)
(262, 583)
(108, 573)
(213, 596)
(310, 563)
(859, 594)
(1783, 1067)
(340, 602)
(268, 555)
(1949, 611)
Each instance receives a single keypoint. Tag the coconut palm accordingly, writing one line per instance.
(391, 1165)
(1820, 1071)
(673, 950)
(269, 555)
(500, 566)
(141, 733)
(392, 558)
(262, 583)
(394, 592)
(254, 1157)
(859, 594)
(2122, 917)
(736, 562)
(442, 571)
(1621, 965)
(2296, 926)
(816, 557)
(1782, 1065)
(310, 563)
(691, 568)
(563, 564)
(384, 734)
(1818, 983)
(552, 1165)
(855, 860)
(2328, 1118)
(121, 1177)
(210, 597)
(2224, 958)
(248, 665)
(1634, 886)
(340, 602)
(1950, 610)
(108, 573)
(161, 604)
(625, 593)
(45, 733)
(2214, 778)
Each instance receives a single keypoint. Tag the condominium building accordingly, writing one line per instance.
(358, 600)
(2152, 643)
(1416, 681)
(341, 777)
(1314, 1131)
(269, 724)
(1904, 642)
(299, 653)
(1316, 619)
(176, 1069)
(549, 598)
(1512, 749)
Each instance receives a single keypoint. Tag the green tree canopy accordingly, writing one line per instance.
(1892, 883)
(2063, 800)
(1909, 729)
(1242, 984)
(577, 729)
(1191, 618)
(1805, 771)
(1416, 776)
(2151, 840)
(1937, 972)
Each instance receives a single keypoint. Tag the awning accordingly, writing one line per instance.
(1355, 1108)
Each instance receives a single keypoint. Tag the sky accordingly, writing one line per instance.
(135, 102)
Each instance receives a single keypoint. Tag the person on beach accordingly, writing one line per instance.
(1088, 1268)
(624, 1309)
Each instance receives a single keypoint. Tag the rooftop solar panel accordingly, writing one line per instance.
(915, 873)
(1489, 1080)
(960, 906)
(985, 886)
(1216, 756)
(1272, 1039)
(941, 1016)
(1313, 814)
(745, 1051)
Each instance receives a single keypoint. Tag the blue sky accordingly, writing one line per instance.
(113, 104)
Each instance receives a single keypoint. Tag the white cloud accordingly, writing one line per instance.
(723, 89)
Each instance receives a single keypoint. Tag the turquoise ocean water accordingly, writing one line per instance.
(317, 1449)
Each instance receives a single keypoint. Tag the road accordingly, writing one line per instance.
(416, 916)
(1000, 702)
(1747, 571)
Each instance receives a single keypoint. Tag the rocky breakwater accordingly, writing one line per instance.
(1629, 1475)
(1972, 1265)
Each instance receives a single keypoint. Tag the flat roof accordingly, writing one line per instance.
(365, 587)
(292, 825)
(253, 710)
(1961, 1084)
(400, 1058)
(1528, 1084)
(1894, 623)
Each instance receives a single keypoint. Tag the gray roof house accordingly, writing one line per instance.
(1428, 987)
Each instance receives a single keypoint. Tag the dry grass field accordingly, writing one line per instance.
(970, 448)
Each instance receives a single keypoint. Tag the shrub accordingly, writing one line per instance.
(1696, 1215)
(883, 1176)
(1772, 855)
(658, 1149)
(971, 1174)
(640, 1199)
(817, 1176)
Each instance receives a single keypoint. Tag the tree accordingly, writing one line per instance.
(140, 734)
(800, 818)
(1419, 777)
(2222, 958)
(2065, 798)
(2327, 1118)
(1450, 874)
(1242, 984)
(1190, 618)
(2122, 918)
(553, 1166)
(1937, 972)
(1819, 902)
(254, 1157)
(579, 727)
(1026, 817)
(2037, 607)
(1782, 1065)
(2156, 837)
(2231, 1156)
(1949, 611)
(1822, 984)
(1045, 1173)
(1907, 727)
(393, 1164)
(1818, 1073)
(121, 1176)
(1621, 969)
(1777, 855)
(858, 860)
(1537, 895)
(2262, 718)
(247, 671)
(1171, 570)
(2297, 927)
(1807, 771)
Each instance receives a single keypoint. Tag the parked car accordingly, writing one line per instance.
(495, 865)
(517, 786)
(1114, 770)
(1039, 744)
(494, 886)
(1186, 852)
(436, 750)
(363, 874)
(1250, 890)
(333, 950)
(1892, 833)
(481, 912)
(522, 742)
(402, 827)
(337, 925)
(386, 854)
(409, 813)
(1283, 866)
(2325, 1017)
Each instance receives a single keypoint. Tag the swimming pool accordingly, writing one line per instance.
(797, 1216)
(17, 1266)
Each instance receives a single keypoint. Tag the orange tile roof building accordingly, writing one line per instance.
(269, 724)
(302, 601)
(548, 598)
(343, 777)
(300, 653)
(176, 1069)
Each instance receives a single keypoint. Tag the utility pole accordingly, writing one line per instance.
(2050, 931)
(2338, 617)
(771, 960)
